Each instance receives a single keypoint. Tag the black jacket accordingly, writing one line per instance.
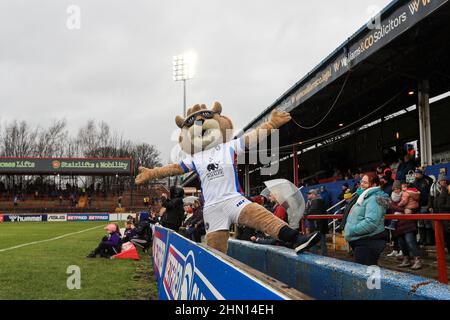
(424, 185)
(346, 212)
(173, 217)
(317, 207)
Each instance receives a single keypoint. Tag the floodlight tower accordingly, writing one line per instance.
(184, 69)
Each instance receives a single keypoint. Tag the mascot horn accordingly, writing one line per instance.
(205, 138)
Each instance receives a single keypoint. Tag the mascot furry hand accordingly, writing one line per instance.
(206, 138)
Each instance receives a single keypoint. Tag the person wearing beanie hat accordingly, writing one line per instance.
(397, 185)
(396, 197)
(345, 187)
(348, 196)
(110, 245)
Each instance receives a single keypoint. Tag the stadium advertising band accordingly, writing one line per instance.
(186, 271)
(57, 217)
(65, 166)
(88, 217)
(24, 218)
(359, 49)
(63, 217)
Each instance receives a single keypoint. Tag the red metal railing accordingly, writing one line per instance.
(438, 232)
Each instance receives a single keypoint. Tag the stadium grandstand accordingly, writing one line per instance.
(383, 91)
(380, 100)
(73, 185)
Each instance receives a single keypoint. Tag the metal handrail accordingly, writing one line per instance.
(438, 218)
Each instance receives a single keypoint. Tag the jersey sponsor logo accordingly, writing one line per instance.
(240, 203)
(212, 166)
(214, 171)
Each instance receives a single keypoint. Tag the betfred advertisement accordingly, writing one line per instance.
(24, 218)
(87, 217)
(159, 251)
(191, 272)
(55, 217)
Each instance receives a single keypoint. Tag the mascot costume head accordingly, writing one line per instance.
(206, 138)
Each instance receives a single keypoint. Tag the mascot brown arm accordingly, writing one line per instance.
(170, 170)
(277, 119)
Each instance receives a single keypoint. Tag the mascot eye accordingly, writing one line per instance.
(191, 119)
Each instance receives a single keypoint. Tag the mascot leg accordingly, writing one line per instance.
(218, 240)
(256, 216)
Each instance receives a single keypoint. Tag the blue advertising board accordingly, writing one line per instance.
(87, 217)
(190, 272)
(160, 237)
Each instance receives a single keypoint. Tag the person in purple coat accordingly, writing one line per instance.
(110, 244)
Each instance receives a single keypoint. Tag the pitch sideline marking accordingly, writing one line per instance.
(48, 240)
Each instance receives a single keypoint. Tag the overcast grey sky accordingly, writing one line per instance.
(118, 66)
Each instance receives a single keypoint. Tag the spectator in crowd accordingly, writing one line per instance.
(423, 184)
(154, 217)
(195, 227)
(407, 164)
(188, 211)
(174, 210)
(16, 200)
(131, 218)
(345, 187)
(364, 229)
(268, 204)
(349, 205)
(406, 229)
(278, 210)
(146, 201)
(441, 203)
(315, 206)
(395, 209)
(144, 234)
(110, 244)
(130, 231)
(386, 181)
(326, 197)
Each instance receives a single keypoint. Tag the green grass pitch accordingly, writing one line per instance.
(39, 270)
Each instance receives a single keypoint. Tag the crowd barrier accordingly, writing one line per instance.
(332, 279)
(185, 270)
(62, 217)
(437, 219)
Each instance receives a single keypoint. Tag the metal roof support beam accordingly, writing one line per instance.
(423, 107)
(247, 180)
(295, 164)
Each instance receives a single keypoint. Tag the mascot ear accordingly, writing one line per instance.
(217, 107)
(179, 121)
